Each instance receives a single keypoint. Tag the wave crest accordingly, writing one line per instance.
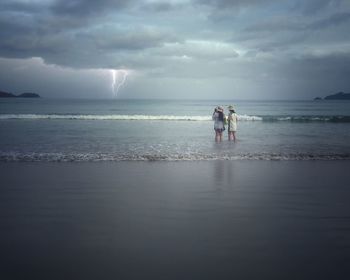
(104, 117)
(336, 119)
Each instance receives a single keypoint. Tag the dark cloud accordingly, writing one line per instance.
(26, 37)
(332, 20)
(311, 7)
(281, 24)
(135, 39)
(227, 11)
(295, 32)
(78, 42)
(220, 4)
(204, 44)
(85, 8)
(22, 7)
(274, 25)
(161, 7)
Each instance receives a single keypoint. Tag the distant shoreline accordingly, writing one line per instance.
(4, 94)
(335, 96)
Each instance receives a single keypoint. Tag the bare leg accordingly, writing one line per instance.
(230, 136)
(220, 136)
(234, 136)
(217, 136)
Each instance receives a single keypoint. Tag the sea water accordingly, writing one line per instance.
(117, 130)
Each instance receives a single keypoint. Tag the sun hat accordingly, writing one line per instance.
(220, 109)
(230, 107)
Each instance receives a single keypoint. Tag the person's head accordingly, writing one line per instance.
(221, 113)
(230, 108)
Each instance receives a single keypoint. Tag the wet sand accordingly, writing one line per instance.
(175, 220)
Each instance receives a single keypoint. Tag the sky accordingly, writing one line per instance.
(195, 49)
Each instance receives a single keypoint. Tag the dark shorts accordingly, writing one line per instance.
(220, 130)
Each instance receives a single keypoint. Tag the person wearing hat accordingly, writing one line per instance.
(219, 125)
(232, 124)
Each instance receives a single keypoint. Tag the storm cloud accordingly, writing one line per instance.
(176, 49)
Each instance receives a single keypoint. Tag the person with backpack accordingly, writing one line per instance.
(219, 123)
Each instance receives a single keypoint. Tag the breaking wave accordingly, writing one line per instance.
(115, 117)
(105, 117)
(100, 157)
(336, 119)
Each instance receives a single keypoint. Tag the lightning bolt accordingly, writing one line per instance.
(116, 82)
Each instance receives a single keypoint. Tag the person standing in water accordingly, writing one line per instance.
(219, 126)
(232, 124)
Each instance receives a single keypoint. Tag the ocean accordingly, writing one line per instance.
(139, 189)
(151, 130)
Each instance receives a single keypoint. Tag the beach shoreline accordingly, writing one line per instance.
(175, 220)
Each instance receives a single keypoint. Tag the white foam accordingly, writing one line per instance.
(170, 117)
(249, 118)
(96, 157)
(305, 118)
(117, 117)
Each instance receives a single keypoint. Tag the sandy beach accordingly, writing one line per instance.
(175, 220)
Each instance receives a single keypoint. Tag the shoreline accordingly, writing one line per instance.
(48, 158)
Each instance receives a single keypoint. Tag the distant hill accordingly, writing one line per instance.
(28, 95)
(335, 96)
(4, 94)
(338, 96)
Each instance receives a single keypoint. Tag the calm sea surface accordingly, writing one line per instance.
(115, 130)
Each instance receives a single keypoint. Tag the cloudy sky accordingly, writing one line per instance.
(236, 49)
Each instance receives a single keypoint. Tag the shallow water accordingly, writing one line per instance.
(114, 130)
